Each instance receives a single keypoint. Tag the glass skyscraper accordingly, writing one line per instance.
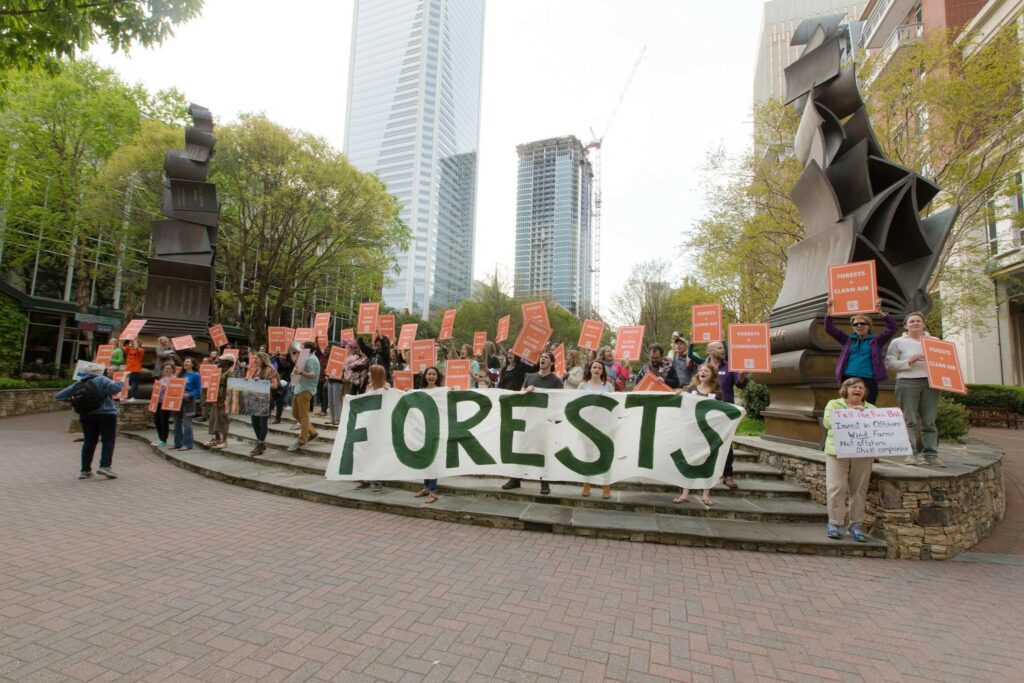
(554, 240)
(413, 118)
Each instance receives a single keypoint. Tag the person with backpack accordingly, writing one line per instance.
(92, 398)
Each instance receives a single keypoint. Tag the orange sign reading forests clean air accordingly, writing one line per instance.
(457, 374)
(590, 335)
(629, 342)
(750, 347)
(348, 335)
(367, 323)
(403, 379)
(422, 354)
(205, 370)
(447, 325)
(406, 336)
(213, 389)
(559, 352)
(183, 343)
(321, 342)
(503, 324)
(535, 310)
(121, 377)
(651, 382)
(853, 288)
(336, 362)
(479, 339)
(278, 339)
(154, 398)
(217, 335)
(322, 324)
(304, 334)
(132, 329)
(707, 323)
(531, 340)
(103, 353)
(943, 365)
(174, 395)
(386, 327)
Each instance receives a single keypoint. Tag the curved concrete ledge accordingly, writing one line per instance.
(921, 512)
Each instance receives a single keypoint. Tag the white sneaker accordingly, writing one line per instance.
(912, 460)
(294, 447)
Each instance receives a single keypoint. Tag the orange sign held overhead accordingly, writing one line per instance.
(386, 327)
(322, 325)
(406, 336)
(651, 382)
(943, 365)
(531, 340)
(447, 325)
(278, 339)
(103, 353)
(422, 354)
(348, 335)
(707, 323)
(457, 374)
(183, 343)
(205, 370)
(304, 334)
(479, 339)
(174, 395)
(750, 347)
(336, 362)
(590, 335)
(132, 329)
(213, 390)
(367, 323)
(629, 342)
(535, 310)
(403, 379)
(559, 352)
(217, 335)
(321, 342)
(853, 288)
(502, 334)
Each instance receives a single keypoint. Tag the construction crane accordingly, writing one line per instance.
(595, 145)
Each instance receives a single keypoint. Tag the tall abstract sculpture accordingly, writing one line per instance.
(181, 275)
(855, 205)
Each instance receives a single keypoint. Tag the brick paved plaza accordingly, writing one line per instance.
(165, 575)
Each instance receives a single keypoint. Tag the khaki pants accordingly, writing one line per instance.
(842, 476)
(300, 411)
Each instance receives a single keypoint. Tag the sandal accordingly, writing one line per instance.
(220, 445)
(432, 498)
(707, 501)
(682, 498)
(422, 492)
(210, 444)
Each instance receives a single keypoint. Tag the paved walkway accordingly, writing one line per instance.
(164, 575)
(1008, 537)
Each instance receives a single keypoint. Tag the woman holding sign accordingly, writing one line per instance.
(161, 417)
(705, 385)
(596, 379)
(183, 419)
(862, 351)
(918, 401)
(847, 475)
(431, 379)
(261, 423)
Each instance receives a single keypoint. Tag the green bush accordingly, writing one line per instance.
(951, 420)
(13, 383)
(12, 334)
(8, 383)
(750, 427)
(992, 396)
(755, 398)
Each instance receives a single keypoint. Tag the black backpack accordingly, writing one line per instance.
(87, 396)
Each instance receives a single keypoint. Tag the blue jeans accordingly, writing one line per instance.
(98, 428)
(133, 385)
(183, 427)
(430, 485)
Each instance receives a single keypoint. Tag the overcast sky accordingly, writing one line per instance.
(551, 67)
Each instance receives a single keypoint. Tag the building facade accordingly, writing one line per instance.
(413, 119)
(554, 239)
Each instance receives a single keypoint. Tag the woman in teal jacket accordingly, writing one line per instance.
(846, 475)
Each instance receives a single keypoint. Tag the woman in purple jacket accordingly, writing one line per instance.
(862, 351)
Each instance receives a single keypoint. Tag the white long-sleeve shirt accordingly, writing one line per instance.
(900, 349)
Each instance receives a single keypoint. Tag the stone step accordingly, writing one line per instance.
(525, 512)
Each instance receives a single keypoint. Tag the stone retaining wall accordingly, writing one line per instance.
(24, 401)
(921, 512)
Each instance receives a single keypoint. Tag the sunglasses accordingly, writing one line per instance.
(860, 325)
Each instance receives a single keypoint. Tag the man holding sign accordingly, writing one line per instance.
(544, 378)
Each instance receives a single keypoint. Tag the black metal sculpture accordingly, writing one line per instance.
(856, 206)
(181, 273)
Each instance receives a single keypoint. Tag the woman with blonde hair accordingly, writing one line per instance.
(846, 475)
(220, 421)
(573, 369)
(260, 423)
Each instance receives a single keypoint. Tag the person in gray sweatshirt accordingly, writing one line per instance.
(918, 401)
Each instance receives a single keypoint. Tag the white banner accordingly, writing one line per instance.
(873, 433)
(677, 439)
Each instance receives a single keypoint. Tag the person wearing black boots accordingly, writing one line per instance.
(544, 378)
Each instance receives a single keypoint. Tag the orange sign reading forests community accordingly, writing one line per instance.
(121, 377)
(590, 335)
(457, 374)
(205, 370)
(278, 339)
(322, 324)
(651, 382)
(304, 334)
(132, 329)
(479, 339)
(174, 394)
(336, 362)
(502, 334)
(406, 336)
(403, 379)
(183, 343)
(447, 324)
(535, 310)
(367, 323)
(853, 288)
(386, 327)
(559, 360)
(154, 398)
(103, 353)
(629, 342)
(422, 355)
(750, 347)
(531, 340)
(707, 323)
(943, 365)
(217, 335)
(213, 390)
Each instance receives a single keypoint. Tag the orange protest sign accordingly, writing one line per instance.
(217, 335)
(479, 339)
(213, 389)
(250, 370)
(531, 340)
(629, 342)
(943, 365)
(457, 374)
(121, 377)
(406, 337)
(174, 394)
(183, 343)
(348, 335)
(205, 370)
(304, 334)
(322, 324)
(590, 335)
(503, 324)
(103, 353)
(386, 327)
(707, 323)
(651, 382)
(853, 288)
(403, 379)
(559, 360)
(278, 339)
(750, 347)
(367, 322)
(535, 310)
(321, 342)
(154, 398)
(132, 329)
(422, 354)
(447, 325)
(336, 362)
